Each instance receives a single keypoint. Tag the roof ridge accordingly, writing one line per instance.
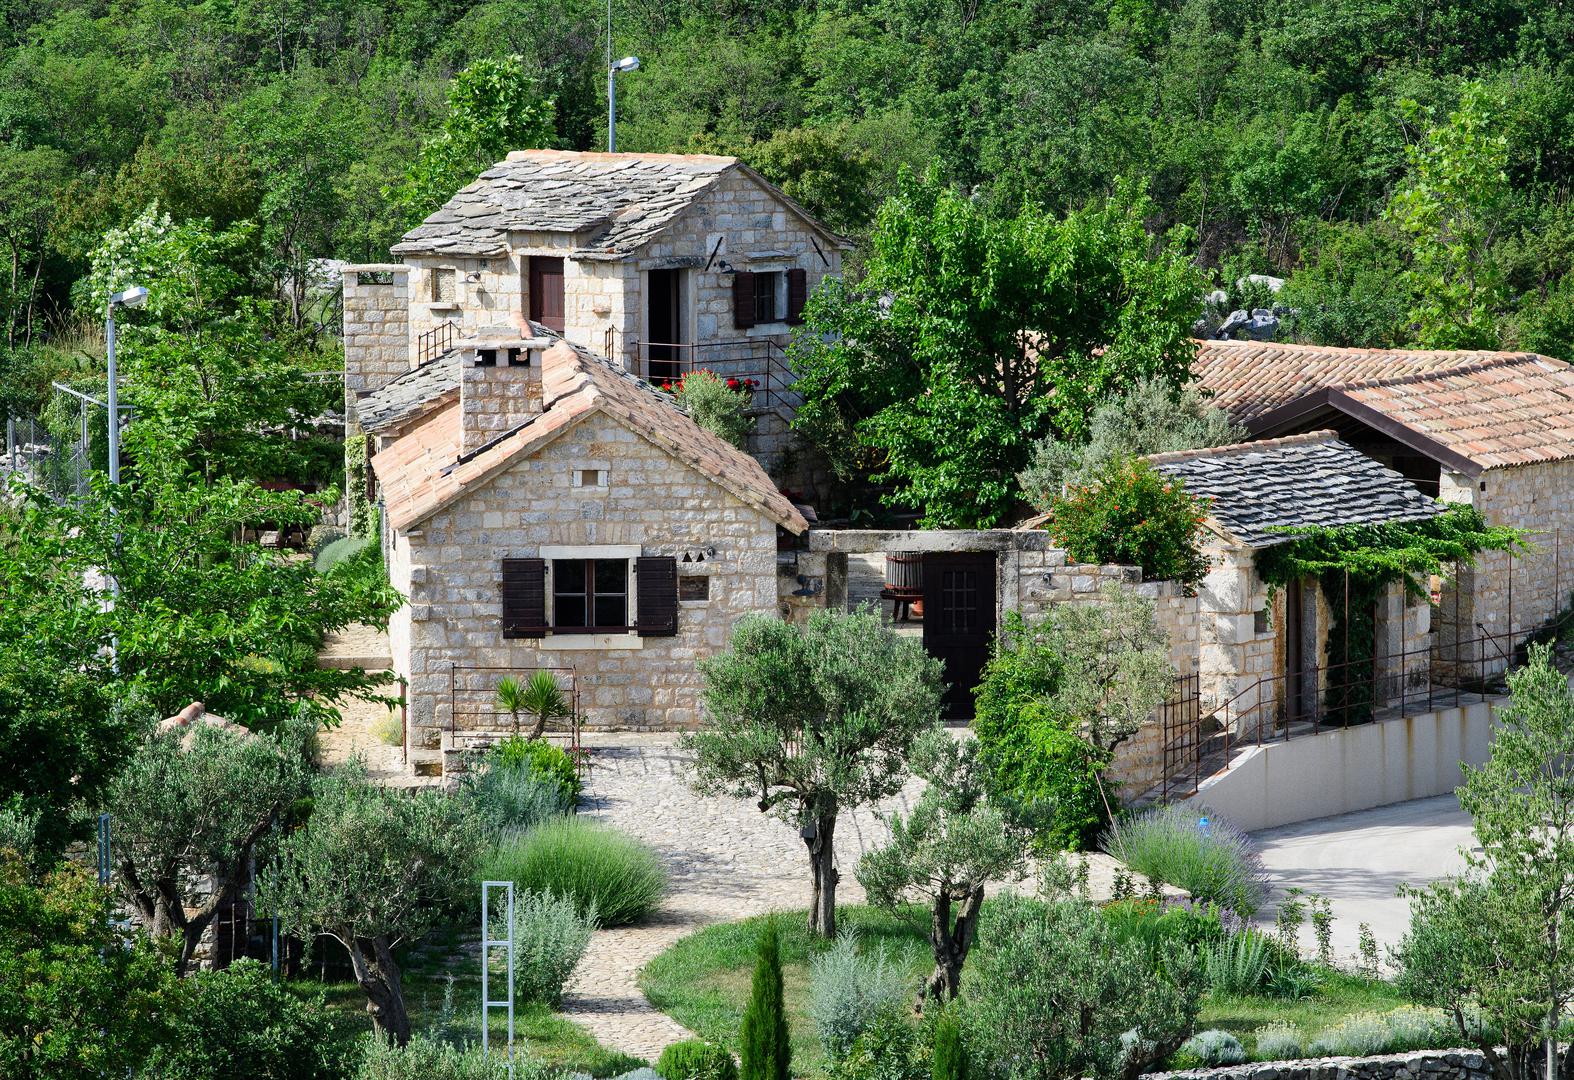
(1326, 435)
(1355, 350)
(1496, 360)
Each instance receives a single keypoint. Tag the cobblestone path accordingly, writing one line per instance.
(726, 859)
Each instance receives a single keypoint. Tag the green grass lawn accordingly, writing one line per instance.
(702, 982)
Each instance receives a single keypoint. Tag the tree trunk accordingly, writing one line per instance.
(951, 940)
(377, 973)
(822, 870)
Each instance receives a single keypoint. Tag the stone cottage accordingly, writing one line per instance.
(545, 509)
(1491, 429)
(661, 262)
(1262, 653)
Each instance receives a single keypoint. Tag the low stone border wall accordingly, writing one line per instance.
(1420, 1065)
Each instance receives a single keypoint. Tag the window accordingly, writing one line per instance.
(590, 595)
(444, 285)
(766, 309)
(590, 478)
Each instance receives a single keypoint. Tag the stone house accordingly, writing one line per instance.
(661, 262)
(1491, 429)
(545, 509)
(1263, 653)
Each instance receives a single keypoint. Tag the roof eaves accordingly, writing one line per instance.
(1404, 434)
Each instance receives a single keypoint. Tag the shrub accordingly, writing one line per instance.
(388, 729)
(950, 1057)
(716, 406)
(1279, 1042)
(340, 552)
(696, 1059)
(607, 873)
(887, 1051)
(429, 1059)
(1156, 925)
(1133, 515)
(848, 993)
(762, 1037)
(321, 536)
(542, 758)
(509, 800)
(1051, 774)
(1361, 1035)
(239, 1022)
(1214, 1048)
(1238, 964)
(1214, 862)
(550, 936)
(1418, 1029)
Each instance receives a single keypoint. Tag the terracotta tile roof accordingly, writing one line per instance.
(423, 471)
(1513, 410)
(1250, 378)
(617, 203)
(1257, 488)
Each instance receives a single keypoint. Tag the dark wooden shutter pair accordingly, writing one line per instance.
(797, 293)
(524, 598)
(743, 299)
(656, 577)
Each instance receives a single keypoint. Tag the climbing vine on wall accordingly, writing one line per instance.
(363, 515)
(1353, 564)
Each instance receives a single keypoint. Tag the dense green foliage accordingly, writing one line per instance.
(1128, 513)
(611, 877)
(719, 407)
(696, 1059)
(549, 762)
(764, 1049)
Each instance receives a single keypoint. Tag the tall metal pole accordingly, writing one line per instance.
(612, 110)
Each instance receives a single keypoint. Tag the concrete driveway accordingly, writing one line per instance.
(1359, 861)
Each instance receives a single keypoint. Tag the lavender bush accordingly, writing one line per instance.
(1188, 848)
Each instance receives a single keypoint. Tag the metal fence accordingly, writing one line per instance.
(476, 719)
(757, 365)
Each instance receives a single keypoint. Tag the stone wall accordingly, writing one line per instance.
(1420, 1065)
(494, 398)
(376, 328)
(450, 567)
(494, 298)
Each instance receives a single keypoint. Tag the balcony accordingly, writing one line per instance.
(757, 360)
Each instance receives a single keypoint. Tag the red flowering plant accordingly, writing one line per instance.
(742, 386)
(1133, 515)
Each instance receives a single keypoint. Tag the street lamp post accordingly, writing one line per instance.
(135, 296)
(628, 63)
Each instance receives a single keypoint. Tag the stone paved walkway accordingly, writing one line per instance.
(726, 859)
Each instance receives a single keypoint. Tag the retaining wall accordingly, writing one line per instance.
(1420, 1065)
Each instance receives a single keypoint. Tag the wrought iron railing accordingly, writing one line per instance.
(475, 717)
(435, 342)
(756, 366)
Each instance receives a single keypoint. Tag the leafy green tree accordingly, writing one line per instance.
(826, 169)
(28, 181)
(765, 1048)
(199, 614)
(191, 810)
(1057, 697)
(1451, 210)
(81, 995)
(812, 721)
(1054, 994)
(1497, 945)
(1130, 514)
(971, 337)
(371, 868)
(943, 854)
(493, 107)
(1153, 417)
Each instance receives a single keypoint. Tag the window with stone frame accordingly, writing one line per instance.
(444, 285)
(590, 596)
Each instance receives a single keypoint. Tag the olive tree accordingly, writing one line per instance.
(942, 855)
(813, 721)
(370, 868)
(188, 813)
(1497, 945)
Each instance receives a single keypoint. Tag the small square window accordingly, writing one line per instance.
(694, 587)
(1262, 621)
(590, 478)
(444, 284)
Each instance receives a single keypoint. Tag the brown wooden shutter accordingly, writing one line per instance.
(743, 299)
(656, 578)
(797, 293)
(524, 598)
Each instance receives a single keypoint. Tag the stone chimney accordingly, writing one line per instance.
(376, 329)
(499, 387)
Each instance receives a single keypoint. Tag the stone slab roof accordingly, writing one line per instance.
(410, 394)
(1516, 410)
(1251, 378)
(424, 471)
(615, 203)
(1303, 480)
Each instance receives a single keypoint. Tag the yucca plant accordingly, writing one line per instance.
(540, 697)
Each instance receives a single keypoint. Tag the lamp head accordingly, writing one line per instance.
(628, 63)
(135, 296)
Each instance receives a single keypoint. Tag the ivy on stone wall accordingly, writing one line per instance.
(363, 515)
(1353, 564)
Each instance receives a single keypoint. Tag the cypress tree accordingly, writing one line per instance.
(950, 1061)
(763, 1045)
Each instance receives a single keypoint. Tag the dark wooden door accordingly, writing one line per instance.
(959, 622)
(546, 291)
(664, 323)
